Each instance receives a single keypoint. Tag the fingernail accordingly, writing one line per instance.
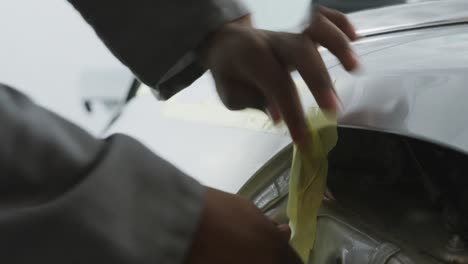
(283, 227)
(329, 100)
(274, 114)
(275, 117)
(354, 61)
(339, 105)
(299, 135)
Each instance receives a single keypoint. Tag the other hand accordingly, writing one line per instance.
(232, 231)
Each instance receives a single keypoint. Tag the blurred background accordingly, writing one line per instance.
(48, 52)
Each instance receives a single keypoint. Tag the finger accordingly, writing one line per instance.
(285, 231)
(237, 95)
(277, 85)
(331, 37)
(340, 20)
(310, 65)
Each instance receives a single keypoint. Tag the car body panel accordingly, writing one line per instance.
(415, 88)
(409, 16)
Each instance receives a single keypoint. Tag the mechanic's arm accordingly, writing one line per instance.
(157, 39)
(66, 197)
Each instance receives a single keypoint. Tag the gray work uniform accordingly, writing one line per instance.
(67, 197)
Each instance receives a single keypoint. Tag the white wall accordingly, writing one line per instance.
(278, 14)
(49, 52)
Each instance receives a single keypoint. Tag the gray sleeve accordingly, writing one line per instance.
(156, 39)
(66, 197)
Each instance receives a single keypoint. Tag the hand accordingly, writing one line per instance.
(232, 231)
(251, 66)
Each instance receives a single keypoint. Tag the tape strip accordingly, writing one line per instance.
(308, 180)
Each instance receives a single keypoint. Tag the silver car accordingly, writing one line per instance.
(398, 189)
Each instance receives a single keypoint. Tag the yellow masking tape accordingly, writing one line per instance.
(308, 180)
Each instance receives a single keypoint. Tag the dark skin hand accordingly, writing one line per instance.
(251, 67)
(233, 231)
